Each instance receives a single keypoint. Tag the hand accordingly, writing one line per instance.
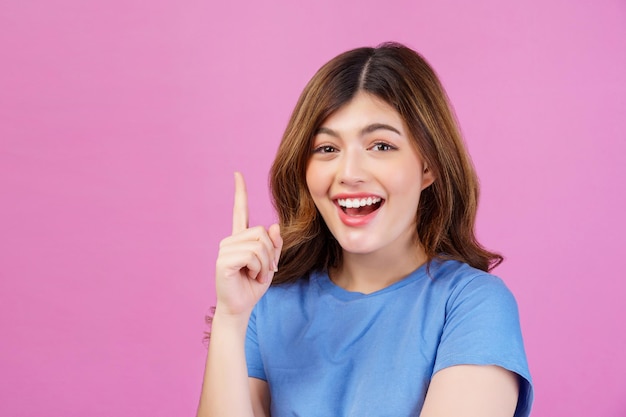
(247, 259)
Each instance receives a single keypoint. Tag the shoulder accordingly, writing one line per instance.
(462, 282)
(305, 283)
(284, 297)
(456, 272)
(480, 311)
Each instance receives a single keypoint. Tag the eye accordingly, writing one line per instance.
(382, 146)
(325, 149)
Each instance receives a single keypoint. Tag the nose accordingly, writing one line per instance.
(352, 168)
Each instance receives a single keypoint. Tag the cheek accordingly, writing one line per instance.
(314, 180)
(407, 184)
(403, 179)
(310, 185)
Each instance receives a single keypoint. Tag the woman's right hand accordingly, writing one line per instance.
(246, 261)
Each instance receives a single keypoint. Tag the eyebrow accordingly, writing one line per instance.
(367, 129)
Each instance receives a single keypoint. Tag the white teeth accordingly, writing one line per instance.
(358, 202)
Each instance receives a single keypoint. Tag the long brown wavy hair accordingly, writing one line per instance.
(447, 209)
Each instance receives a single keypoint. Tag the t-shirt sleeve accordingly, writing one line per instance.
(254, 360)
(482, 328)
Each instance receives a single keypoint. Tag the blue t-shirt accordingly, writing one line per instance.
(325, 351)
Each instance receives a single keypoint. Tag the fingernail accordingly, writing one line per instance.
(275, 266)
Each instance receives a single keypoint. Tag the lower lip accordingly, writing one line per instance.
(356, 221)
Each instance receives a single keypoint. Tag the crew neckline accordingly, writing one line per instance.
(328, 286)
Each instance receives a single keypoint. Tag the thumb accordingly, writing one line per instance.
(277, 241)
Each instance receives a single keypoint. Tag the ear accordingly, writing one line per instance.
(427, 177)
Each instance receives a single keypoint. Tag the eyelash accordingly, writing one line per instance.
(375, 147)
(385, 144)
(325, 149)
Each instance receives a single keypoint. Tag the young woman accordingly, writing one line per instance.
(371, 297)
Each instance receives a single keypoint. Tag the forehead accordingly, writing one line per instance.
(364, 109)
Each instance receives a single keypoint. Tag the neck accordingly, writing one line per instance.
(368, 273)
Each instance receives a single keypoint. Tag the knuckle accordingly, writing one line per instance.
(258, 230)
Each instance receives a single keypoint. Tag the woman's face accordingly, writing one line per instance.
(365, 177)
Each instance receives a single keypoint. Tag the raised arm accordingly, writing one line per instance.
(245, 267)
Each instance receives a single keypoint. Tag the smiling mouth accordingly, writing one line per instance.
(359, 206)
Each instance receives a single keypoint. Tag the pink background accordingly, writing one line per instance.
(121, 123)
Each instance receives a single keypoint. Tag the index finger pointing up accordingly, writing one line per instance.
(240, 209)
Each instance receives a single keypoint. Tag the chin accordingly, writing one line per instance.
(356, 248)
